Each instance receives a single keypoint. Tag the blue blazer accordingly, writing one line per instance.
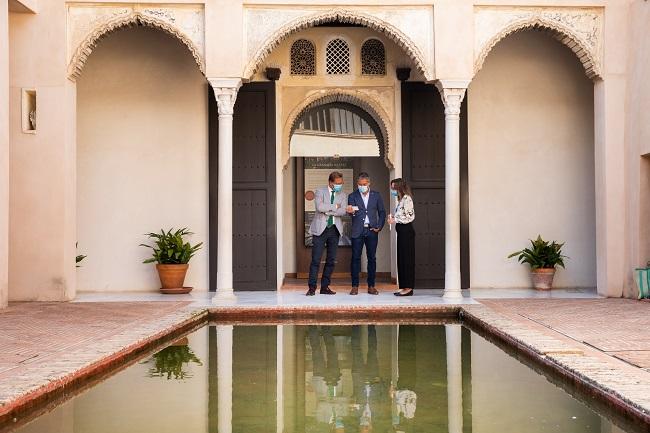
(376, 212)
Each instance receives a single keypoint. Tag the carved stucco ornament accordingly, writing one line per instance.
(370, 100)
(88, 24)
(410, 29)
(580, 29)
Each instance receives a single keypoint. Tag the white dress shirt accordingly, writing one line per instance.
(365, 197)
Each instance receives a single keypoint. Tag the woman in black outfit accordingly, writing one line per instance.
(403, 220)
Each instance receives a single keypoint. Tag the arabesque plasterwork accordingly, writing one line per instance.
(89, 23)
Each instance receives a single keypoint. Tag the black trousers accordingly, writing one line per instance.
(405, 255)
(327, 241)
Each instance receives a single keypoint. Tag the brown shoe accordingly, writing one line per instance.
(327, 291)
(354, 291)
(372, 291)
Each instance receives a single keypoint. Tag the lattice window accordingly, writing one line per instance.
(338, 57)
(303, 58)
(373, 58)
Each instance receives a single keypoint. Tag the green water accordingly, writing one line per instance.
(295, 378)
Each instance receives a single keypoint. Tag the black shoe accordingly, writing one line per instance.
(327, 291)
(311, 291)
(404, 294)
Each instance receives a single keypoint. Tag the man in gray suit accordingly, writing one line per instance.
(326, 228)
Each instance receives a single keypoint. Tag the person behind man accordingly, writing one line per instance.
(403, 220)
(368, 218)
(326, 228)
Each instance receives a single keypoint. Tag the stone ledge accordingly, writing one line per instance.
(40, 383)
(626, 393)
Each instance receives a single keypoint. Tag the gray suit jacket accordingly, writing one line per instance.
(324, 209)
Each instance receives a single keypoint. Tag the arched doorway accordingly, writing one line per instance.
(141, 117)
(531, 160)
(344, 137)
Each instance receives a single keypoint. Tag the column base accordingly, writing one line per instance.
(224, 298)
(452, 295)
(225, 290)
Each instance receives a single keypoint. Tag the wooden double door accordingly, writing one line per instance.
(254, 216)
(254, 190)
(423, 159)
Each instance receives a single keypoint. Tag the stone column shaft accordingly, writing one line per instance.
(225, 91)
(452, 93)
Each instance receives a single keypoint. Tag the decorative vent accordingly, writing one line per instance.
(303, 58)
(338, 57)
(373, 58)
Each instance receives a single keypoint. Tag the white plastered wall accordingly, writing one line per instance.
(142, 158)
(531, 161)
(638, 141)
(4, 154)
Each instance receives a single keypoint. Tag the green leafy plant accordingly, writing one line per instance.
(541, 255)
(170, 248)
(170, 361)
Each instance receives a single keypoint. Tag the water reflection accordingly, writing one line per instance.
(319, 378)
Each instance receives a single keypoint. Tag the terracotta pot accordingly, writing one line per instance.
(172, 278)
(542, 278)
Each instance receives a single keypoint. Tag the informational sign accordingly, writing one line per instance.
(316, 174)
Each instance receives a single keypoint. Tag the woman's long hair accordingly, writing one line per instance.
(402, 188)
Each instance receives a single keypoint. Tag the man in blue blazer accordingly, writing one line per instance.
(368, 218)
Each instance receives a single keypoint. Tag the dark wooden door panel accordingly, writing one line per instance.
(423, 141)
(430, 236)
(249, 236)
(254, 218)
(249, 138)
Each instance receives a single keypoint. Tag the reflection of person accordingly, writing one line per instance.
(405, 398)
(365, 376)
(326, 228)
(403, 220)
(326, 375)
(368, 218)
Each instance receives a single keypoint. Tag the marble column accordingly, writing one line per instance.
(4, 154)
(453, 338)
(452, 93)
(225, 92)
(224, 375)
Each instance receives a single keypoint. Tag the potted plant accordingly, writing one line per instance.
(170, 361)
(172, 253)
(543, 257)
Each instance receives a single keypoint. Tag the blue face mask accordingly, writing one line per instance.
(393, 193)
(337, 188)
(363, 189)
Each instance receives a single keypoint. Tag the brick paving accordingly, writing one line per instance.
(46, 346)
(618, 327)
(621, 385)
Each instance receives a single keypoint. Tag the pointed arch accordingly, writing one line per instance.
(349, 96)
(343, 16)
(556, 30)
(86, 47)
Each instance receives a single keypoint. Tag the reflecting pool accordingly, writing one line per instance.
(318, 378)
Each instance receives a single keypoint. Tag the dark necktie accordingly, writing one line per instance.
(330, 220)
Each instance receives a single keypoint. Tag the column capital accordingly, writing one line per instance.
(452, 93)
(225, 92)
